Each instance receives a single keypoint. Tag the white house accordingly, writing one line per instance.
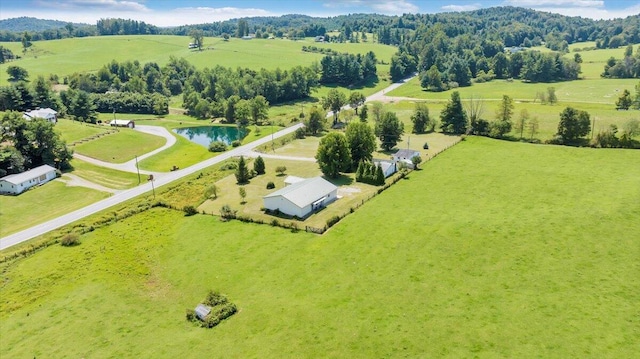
(18, 183)
(46, 113)
(405, 156)
(122, 123)
(388, 167)
(302, 198)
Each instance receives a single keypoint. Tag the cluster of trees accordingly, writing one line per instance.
(6, 55)
(625, 101)
(113, 26)
(28, 144)
(347, 69)
(130, 102)
(403, 65)
(609, 138)
(625, 68)
(370, 173)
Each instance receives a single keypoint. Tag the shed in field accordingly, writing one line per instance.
(123, 123)
(202, 311)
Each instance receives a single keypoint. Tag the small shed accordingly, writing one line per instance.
(48, 114)
(202, 311)
(405, 157)
(123, 123)
(20, 182)
(302, 198)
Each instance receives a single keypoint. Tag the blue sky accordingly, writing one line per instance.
(181, 12)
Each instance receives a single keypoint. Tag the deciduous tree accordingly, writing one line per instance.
(333, 154)
(334, 101)
(420, 118)
(389, 130)
(361, 141)
(573, 125)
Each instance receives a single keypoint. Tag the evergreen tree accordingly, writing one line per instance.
(453, 118)
(379, 175)
(389, 130)
(364, 113)
(258, 166)
(242, 172)
(83, 108)
(624, 101)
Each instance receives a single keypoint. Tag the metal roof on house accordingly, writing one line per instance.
(41, 113)
(384, 164)
(406, 153)
(28, 175)
(305, 192)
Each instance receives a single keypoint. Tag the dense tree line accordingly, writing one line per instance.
(28, 144)
(112, 26)
(130, 102)
(627, 67)
(347, 69)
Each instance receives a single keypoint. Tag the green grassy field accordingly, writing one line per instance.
(494, 249)
(105, 176)
(41, 204)
(121, 146)
(64, 57)
(71, 131)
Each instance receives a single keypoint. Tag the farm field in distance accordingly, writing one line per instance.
(539, 264)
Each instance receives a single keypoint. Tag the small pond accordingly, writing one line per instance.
(204, 135)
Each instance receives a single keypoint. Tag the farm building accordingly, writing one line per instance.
(46, 113)
(123, 123)
(405, 156)
(388, 167)
(202, 311)
(302, 198)
(20, 182)
(319, 39)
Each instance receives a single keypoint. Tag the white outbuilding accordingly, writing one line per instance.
(302, 198)
(20, 182)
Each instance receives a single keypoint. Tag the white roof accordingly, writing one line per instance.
(27, 175)
(305, 192)
(119, 122)
(41, 113)
(384, 164)
(293, 179)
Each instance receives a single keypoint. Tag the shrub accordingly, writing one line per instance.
(70, 239)
(211, 321)
(227, 213)
(300, 133)
(191, 315)
(225, 312)
(281, 170)
(271, 185)
(215, 298)
(333, 220)
(190, 210)
(236, 143)
(217, 146)
(229, 165)
(275, 223)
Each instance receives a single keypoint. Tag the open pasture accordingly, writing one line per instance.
(494, 249)
(43, 203)
(66, 56)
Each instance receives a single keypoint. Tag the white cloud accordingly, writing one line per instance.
(556, 3)
(468, 7)
(593, 13)
(94, 5)
(389, 7)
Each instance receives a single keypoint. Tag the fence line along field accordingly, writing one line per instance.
(493, 248)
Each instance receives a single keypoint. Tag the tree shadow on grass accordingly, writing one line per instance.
(341, 180)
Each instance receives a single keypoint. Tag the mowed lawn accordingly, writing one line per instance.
(120, 147)
(41, 204)
(72, 131)
(494, 249)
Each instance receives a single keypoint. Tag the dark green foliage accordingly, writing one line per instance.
(389, 130)
(369, 173)
(347, 69)
(217, 146)
(83, 107)
(300, 133)
(333, 154)
(332, 221)
(403, 64)
(129, 102)
(17, 73)
(334, 101)
(242, 172)
(215, 298)
(191, 315)
(258, 166)
(315, 122)
(236, 143)
(114, 26)
(364, 113)
(624, 101)
(453, 118)
(226, 213)
(573, 125)
(361, 141)
(271, 185)
(190, 210)
(421, 120)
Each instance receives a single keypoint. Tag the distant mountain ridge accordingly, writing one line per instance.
(24, 23)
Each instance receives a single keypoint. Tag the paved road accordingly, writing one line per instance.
(120, 197)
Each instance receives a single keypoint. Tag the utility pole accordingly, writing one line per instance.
(593, 126)
(138, 169)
